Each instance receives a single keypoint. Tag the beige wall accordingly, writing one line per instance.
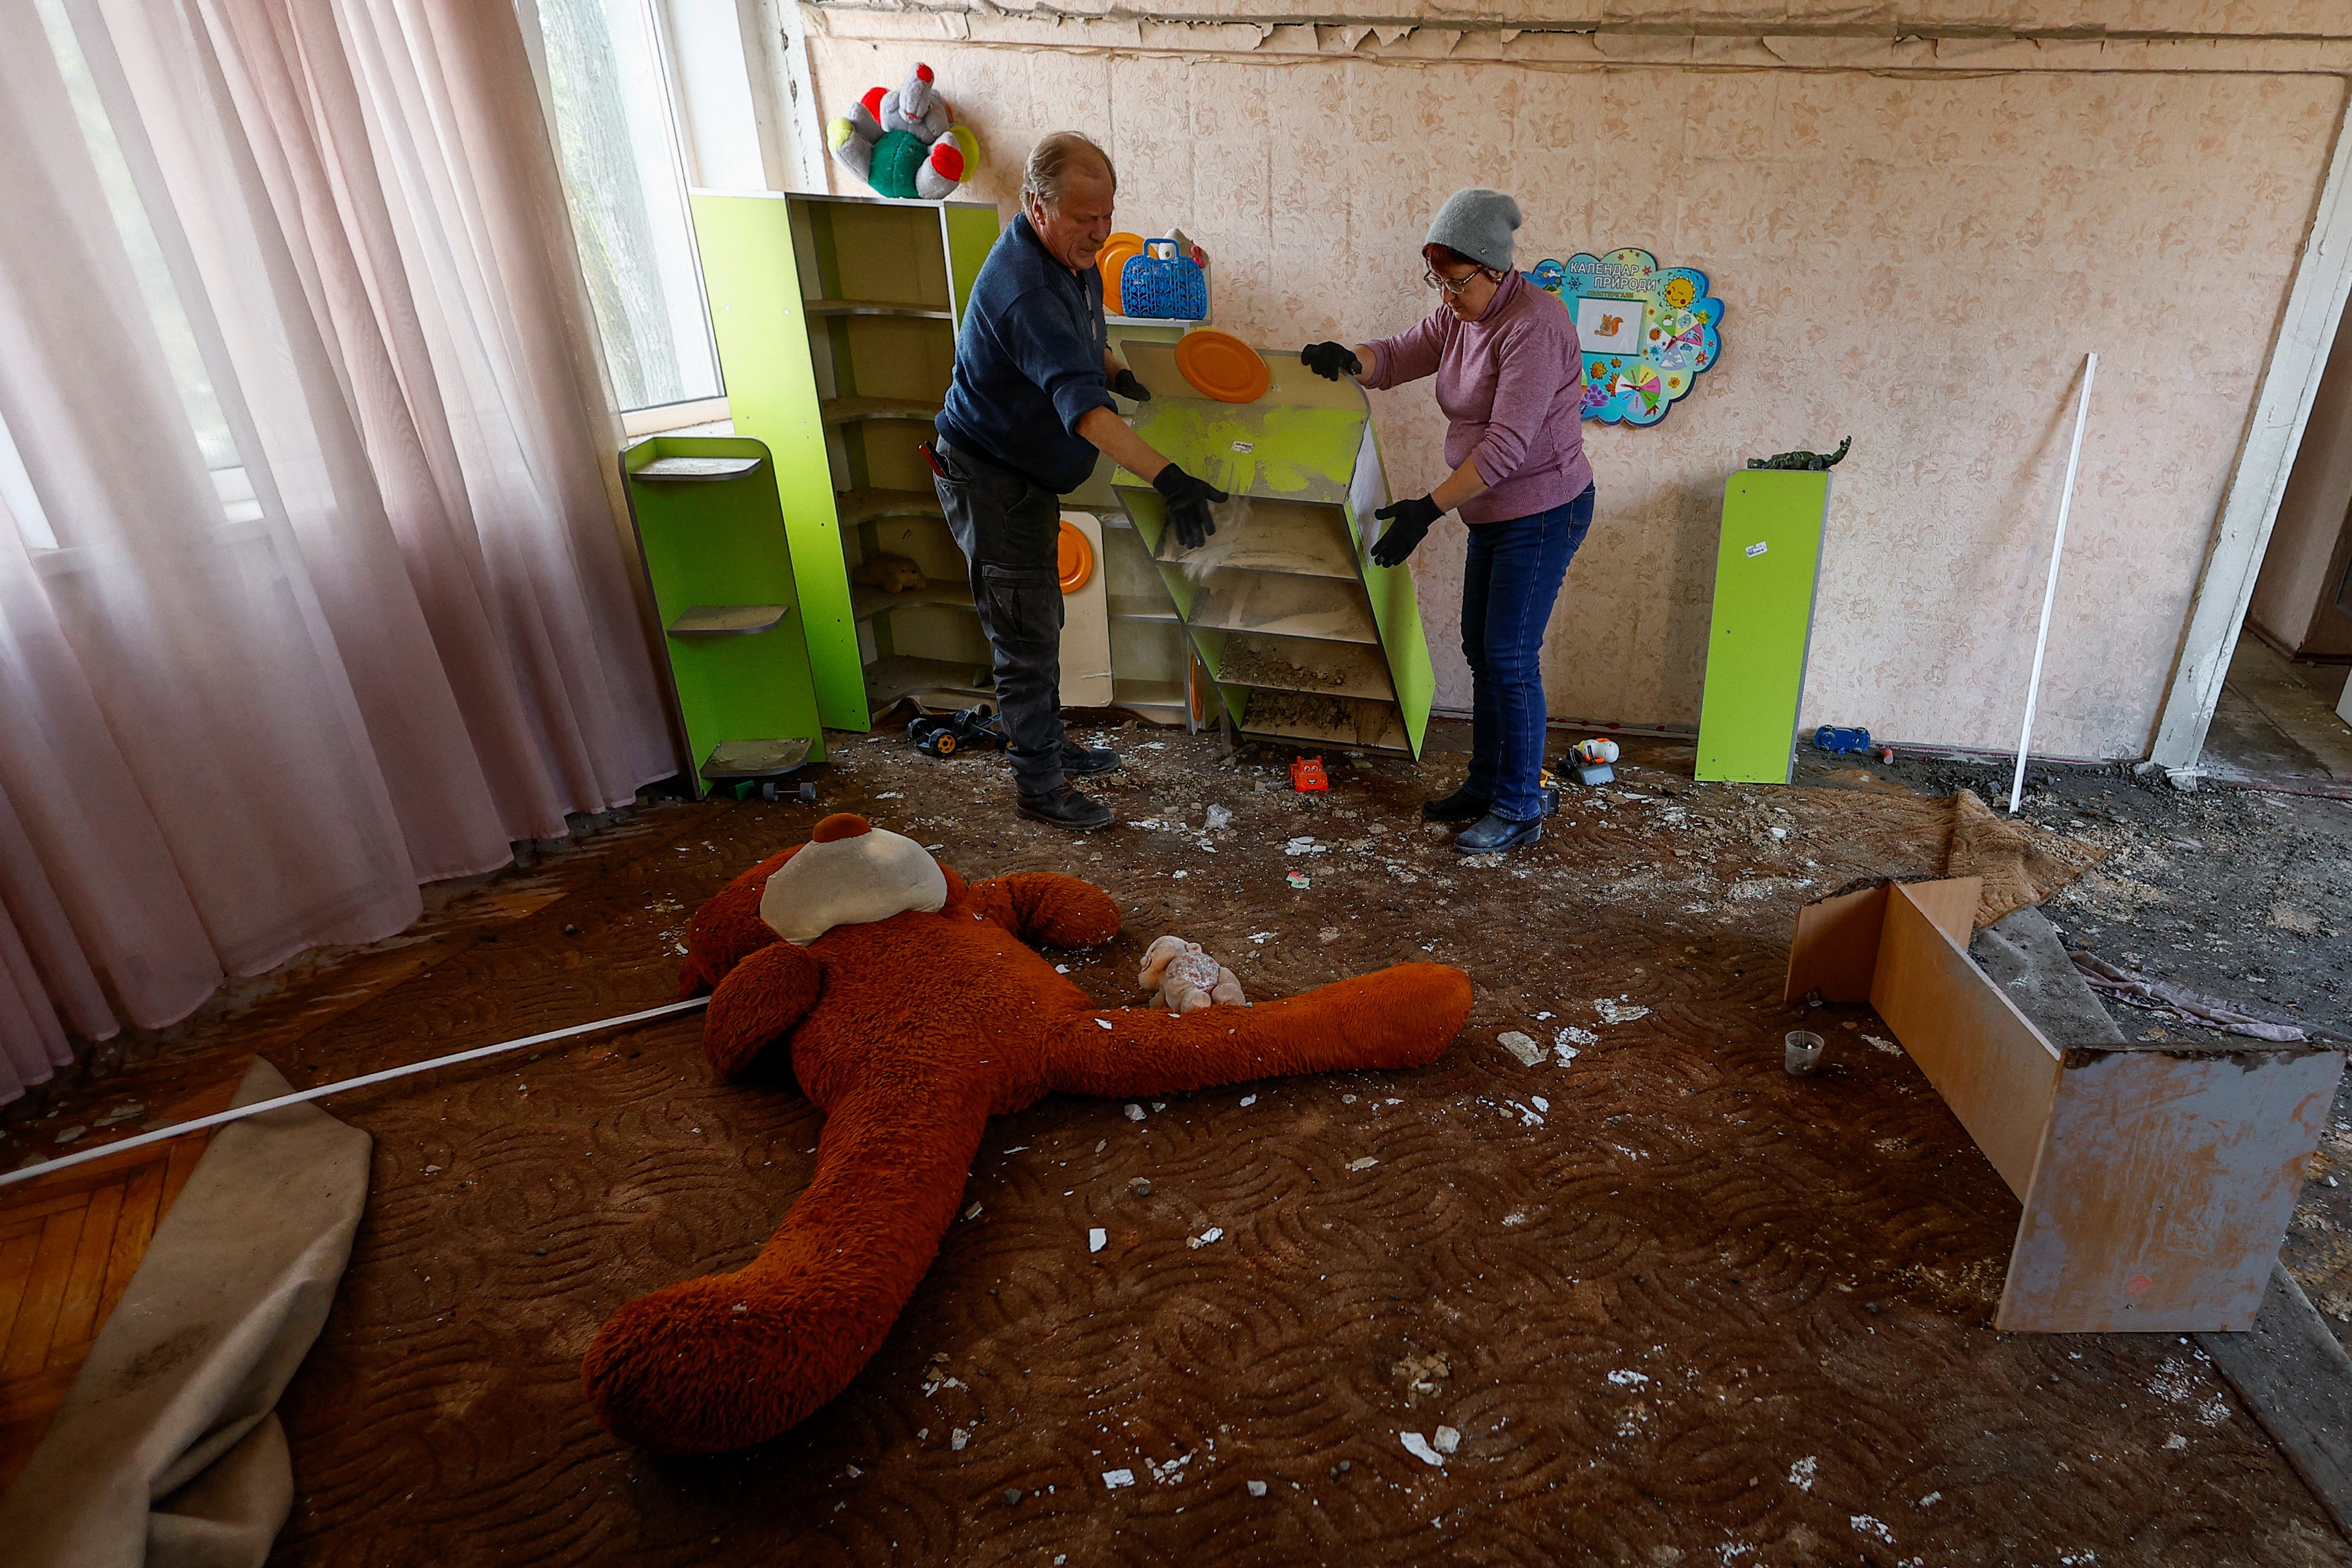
(1911, 253)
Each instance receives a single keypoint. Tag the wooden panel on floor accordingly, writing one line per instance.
(1991, 1066)
(1836, 950)
(2165, 1182)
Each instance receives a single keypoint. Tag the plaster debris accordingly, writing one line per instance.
(1216, 818)
(1447, 1439)
(1098, 1239)
(1888, 1046)
(1629, 1379)
(958, 1438)
(1256, 1489)
(1520, 1046)
(1135, 1113)
(1365, 1164)
(1249, 1099)
(1618, 1010)
(1865, 1525)
(1114, 1479)
(1540, 1104)
(1517, 1216)
(1061, 968)
(121, 1113)
(1801, 1474)
(2176, 1441)
(1213, 1233)
(973, 1212)
(1102, 1023)
(1418, 1446)
(1304, 844)
(1931, 1499)
(1261, 937)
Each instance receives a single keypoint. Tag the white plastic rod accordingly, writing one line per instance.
(2050, 589)
(181, 1130)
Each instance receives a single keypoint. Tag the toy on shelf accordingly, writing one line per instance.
(1647, 331)
(904, 143)
(1805, 462)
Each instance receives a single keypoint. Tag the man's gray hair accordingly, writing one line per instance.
(1051, 161)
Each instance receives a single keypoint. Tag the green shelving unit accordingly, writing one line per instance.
(1767, 569)
(1308, 642)
(836, 319)
(711, 531)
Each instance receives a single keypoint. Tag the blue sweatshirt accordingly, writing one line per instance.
(1029, 364)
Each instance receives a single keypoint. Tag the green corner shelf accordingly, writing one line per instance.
(1767, 569)
(710, 530)
(835, 318)
(1308, 642)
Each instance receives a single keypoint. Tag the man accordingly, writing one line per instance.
(1028, 410)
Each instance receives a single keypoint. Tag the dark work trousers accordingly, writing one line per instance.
(1009, 530)
(1509, 579)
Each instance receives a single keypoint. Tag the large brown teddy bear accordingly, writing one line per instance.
(915, 1013)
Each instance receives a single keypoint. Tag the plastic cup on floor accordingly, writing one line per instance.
(1804, 1053)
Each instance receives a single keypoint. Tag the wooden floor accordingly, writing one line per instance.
(69, 1243)
(67, 1251)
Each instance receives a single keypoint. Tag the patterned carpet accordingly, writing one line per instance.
(1678, 1306)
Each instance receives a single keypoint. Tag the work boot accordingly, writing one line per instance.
(1081, 760)
(1459, 807)
(1064, 807)
(1492, 834)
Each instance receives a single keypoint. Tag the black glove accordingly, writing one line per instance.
(1188, 505)
(1327, 360)
(1407, 521)
(1126, 386)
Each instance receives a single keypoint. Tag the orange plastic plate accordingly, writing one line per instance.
(1221, 366)
(1110, 260)
(1074, 558)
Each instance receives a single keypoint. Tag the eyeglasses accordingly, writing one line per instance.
(1451, 287)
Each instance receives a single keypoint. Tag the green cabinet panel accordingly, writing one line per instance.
(1767, 571)
(835, 318)
(721, 565)
(762, 328)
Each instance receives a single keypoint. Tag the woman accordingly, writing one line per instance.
(1510, 378)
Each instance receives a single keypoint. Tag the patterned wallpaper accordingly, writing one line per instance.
(1916, 259)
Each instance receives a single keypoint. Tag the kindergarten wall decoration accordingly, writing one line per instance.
(905, 142)
(1647, 331)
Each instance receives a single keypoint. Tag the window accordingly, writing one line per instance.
(625, 183)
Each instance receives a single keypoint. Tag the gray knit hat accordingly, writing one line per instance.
(1479, 222)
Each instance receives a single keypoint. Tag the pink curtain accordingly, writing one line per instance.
(311, 586)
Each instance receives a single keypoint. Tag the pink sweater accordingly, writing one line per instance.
(1512, 386)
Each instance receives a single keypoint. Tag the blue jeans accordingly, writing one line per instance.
(1508, 583)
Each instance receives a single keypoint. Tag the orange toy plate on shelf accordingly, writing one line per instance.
(1109, 260)
(1074, 560)
(1221, 366)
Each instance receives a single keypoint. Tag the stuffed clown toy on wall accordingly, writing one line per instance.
(903, 143)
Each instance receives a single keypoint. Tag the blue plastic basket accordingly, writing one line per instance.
(1163, 284)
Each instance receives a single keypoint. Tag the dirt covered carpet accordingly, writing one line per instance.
(1678, 1306)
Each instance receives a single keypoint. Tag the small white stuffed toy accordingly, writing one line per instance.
(1188, 979)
